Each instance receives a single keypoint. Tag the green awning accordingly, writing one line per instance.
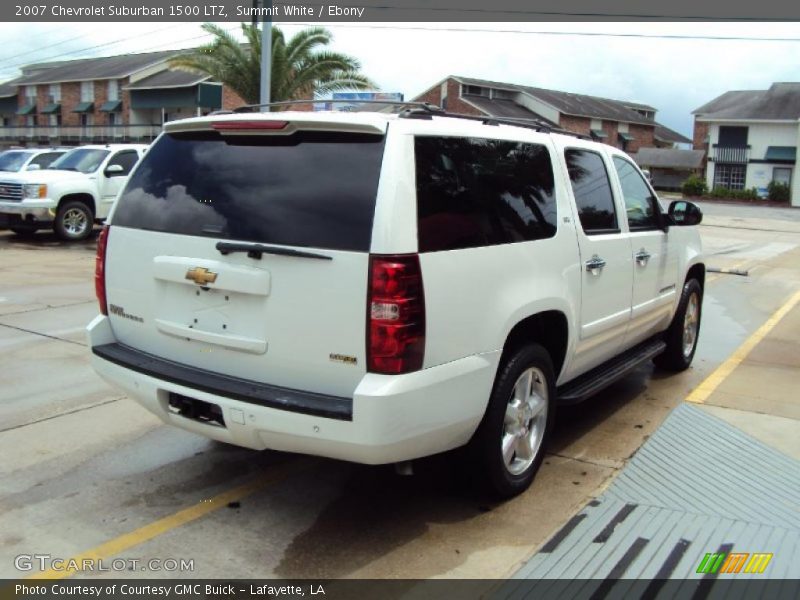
(111, 106)
(788, 153)
(625, 136)
(84, 107)
(28, 109)
(598, 133)
(52, 109)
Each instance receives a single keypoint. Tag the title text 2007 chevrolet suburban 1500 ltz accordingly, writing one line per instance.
(378, 288)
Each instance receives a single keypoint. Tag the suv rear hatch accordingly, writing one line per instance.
(241, 247)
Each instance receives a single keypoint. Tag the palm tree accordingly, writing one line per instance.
(299, 69)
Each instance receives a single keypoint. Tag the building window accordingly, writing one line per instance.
(474, 90)
(55, 94)
(87, 91)
(729, 176)
(112, 118)
(782, 175)
(30, 94)
(54, 120)
(113, 89)
(503, 94)
(87, 119)
(30, 121)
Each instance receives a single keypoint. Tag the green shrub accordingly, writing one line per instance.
(725, 193)
(778, 192)
(694, 186)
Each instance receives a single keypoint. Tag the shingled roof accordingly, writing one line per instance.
(88, 69)
(568, 103)
(780, 102)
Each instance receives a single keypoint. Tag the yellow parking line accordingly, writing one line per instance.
(187, 515)
(701, 393)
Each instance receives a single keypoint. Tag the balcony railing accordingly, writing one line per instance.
(87, 133)
(731, 154)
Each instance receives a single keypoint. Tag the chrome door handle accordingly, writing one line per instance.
(595, 264)
(642, 257)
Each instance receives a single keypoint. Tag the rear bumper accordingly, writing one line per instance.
(389, 418)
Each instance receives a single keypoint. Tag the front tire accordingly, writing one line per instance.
(508, 448)
(74, 221)
(681, 337)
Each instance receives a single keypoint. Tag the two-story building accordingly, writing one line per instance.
(106, 99)
(751, 138)
(626, 125)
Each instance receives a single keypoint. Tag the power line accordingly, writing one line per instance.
(106, 44)
(563, 33)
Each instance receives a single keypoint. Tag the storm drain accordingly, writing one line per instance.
(701, 500)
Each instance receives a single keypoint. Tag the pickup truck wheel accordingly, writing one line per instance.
(681, 337)
(509, 445)
(74, 221)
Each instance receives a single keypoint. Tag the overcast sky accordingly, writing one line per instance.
(674, 75)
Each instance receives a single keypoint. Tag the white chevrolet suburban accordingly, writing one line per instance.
(378, 288)
(71, 194)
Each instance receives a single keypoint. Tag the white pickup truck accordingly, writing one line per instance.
(71, 194)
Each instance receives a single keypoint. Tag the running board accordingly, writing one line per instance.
(595, 380)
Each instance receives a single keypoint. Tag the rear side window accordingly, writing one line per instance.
(592, 191)
(475, 192)
(126, 159)
(312, 189)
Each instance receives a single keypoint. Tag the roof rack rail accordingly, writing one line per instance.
(534, 124)
(432, 108)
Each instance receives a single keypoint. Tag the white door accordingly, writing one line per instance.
(113, 177)
(605, 252)
(655, 260)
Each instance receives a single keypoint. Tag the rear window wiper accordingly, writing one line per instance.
(256, 250)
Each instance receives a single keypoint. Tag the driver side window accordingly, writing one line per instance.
(126, 159)
(640, 203)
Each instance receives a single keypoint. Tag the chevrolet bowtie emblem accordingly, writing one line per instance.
(201, 276)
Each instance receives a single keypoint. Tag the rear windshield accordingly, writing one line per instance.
(312, 189)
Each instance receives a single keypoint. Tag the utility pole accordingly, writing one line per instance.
(266, 52)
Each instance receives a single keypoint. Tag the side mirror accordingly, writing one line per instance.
(683, 212)
(33, 167)
(113, 171)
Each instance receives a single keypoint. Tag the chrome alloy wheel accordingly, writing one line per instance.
(75, 222)
(525, 421)
(691, 321)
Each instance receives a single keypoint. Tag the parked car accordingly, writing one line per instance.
(28, 159)
(71, 194)
(379, 288)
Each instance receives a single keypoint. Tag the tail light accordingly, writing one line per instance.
(395, 315)
(100, 269)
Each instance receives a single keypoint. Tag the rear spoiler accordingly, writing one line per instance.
(277, 124)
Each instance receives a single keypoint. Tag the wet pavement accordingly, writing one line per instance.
(86, 470)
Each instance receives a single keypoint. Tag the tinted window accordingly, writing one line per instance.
(125, 159)
(640, 204)
(84, 160)
(306, 189)
(44, 160)
(474, 192)
(592, 191)
(13, 161)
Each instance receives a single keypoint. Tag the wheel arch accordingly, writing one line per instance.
(549, 328)
(697, 271)
(84, 197)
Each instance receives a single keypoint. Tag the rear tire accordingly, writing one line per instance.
(508, 448)
(681, 337)
(74, 221)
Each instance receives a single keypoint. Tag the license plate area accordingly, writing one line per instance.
(197, 410)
